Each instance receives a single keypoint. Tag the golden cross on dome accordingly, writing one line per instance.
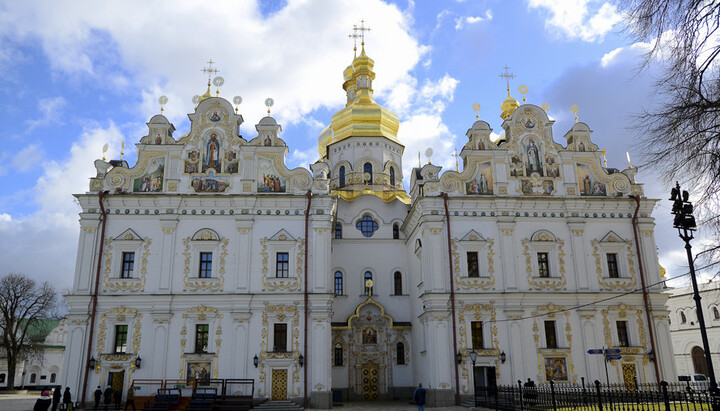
(354, 36)
(209, 70)
(507, 76)
(456, 155)
(362, 29)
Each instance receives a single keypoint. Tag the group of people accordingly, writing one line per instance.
(46, 401)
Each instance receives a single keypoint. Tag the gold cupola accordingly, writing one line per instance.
(362, 116)
(508, 106)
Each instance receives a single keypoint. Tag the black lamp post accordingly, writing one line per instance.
(256, 360)
(92, 362)
(473, 357)
(685, 223)
(138, 362)
(301, 360)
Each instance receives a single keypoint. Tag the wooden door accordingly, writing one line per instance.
(279, 384)
(370, 381)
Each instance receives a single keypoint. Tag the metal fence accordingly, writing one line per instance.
(596, 397)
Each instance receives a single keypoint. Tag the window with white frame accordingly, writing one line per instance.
(613, 256)
(542, 254)
(126, 247)
(475, 255)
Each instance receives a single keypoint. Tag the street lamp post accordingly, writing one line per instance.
(473, 357)
(685, 223)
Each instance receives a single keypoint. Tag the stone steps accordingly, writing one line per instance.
(278, 406)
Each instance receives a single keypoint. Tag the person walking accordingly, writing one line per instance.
(43, 403)
(130, 400)
(56, 397)
(67, 399)
(107, 397)
(419, 397)
(97, 396)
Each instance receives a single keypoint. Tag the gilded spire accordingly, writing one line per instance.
(510, 104)
(209, 70)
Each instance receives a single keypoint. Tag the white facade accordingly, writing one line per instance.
(524, 206)
(685, 330)
(43, 370)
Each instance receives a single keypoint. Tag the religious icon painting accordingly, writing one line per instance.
(152, 180)
(199, 370)
(210, 183)
(215, 117)
(482, 184)
(211, 153)
(589, 186)
(369, 336)
(556, 369)
(268, 179)
(532, 157)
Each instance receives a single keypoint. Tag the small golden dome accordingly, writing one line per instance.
(324, 140)
(363, 61)
(508, 106)
(348, 72)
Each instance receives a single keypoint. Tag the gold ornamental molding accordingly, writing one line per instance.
(279, 312)
(611, 242)
(624, 312)
(477, 312)
(118, 315)
(270, 283)
(214, 284)
(553, 311)
(545, 283)
(201, 313)
(475, 283)
(134, 285)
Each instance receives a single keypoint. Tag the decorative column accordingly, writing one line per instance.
(241, 359)
(168, 226)
(319, 342)
(319, 250)
(74, 361)
(158, 360)
(582, 272)
(439, 360)
(88, 244)
(589, 342)
(506, 255)
(243, 253)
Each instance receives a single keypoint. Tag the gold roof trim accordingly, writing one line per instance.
(386, 196)
(382, 314)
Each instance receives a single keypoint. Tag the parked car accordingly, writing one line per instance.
(695, 381)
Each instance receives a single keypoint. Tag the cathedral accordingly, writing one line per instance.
(209, 260)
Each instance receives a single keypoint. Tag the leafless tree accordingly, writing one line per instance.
(681, 137)
(23, 306)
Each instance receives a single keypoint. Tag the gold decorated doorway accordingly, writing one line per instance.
(370, 381)
(279, 384)
(629, 376)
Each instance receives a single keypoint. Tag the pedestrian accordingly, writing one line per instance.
(419, 397)
(118, 399)
(97, 396)
(107, 397)
(56, 397)
(130, 400)
(43, 403)
(67, 399)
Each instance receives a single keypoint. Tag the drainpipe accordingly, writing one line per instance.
(644, 290)
(305, 339)
(452, 300)
(103, 216)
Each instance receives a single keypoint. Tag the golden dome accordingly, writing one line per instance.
(348, 72)
(324, 140)
(508, 106)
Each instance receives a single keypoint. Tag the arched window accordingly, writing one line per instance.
(341, 177)
(367, 168)
(338, 283)
(52, 377)
(368, 276)
(716, 313)
(392, 176)
(2, 378)
(396, 231)
(400, 348)
(338, 230)
(683, 319)
(338, 352)
(33, 378)
(398, 283)
(367, 226)
(698, 359)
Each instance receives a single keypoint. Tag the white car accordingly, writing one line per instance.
(695, 381)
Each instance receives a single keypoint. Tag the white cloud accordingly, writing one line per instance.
(587, 20)
(27, 158)
(5, 218)
(51, 110)
(461, 21)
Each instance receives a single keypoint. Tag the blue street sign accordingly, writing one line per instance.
(596, 351)
(613, 357)
(612, 351)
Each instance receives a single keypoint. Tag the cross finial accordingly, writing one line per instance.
(209, 70)
(362, 29)
(456, 155)
(507, 76)
(354, 36)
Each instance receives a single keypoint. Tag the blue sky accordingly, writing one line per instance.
(74, 76)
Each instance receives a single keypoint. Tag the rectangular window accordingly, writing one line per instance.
(280, 338)
(623, 340)
(128, 265)
(476, 334)
(282, 265)
(338, 355)
(202, 336)
(550, 336)
(205, 265)
(543, 265)
(121, 338)
(338, 231)
(473, 264)
(612, 265)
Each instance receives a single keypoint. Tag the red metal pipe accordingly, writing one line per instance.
(644, 290)
(86, 371)
(452, 300)
(305, 340)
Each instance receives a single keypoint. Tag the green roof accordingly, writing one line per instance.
(40, 329)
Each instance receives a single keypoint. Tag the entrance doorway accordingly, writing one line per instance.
(629, 376)
(485, 381)
(699, 362)
(116, 380)
(370, 381)
(279, 384)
